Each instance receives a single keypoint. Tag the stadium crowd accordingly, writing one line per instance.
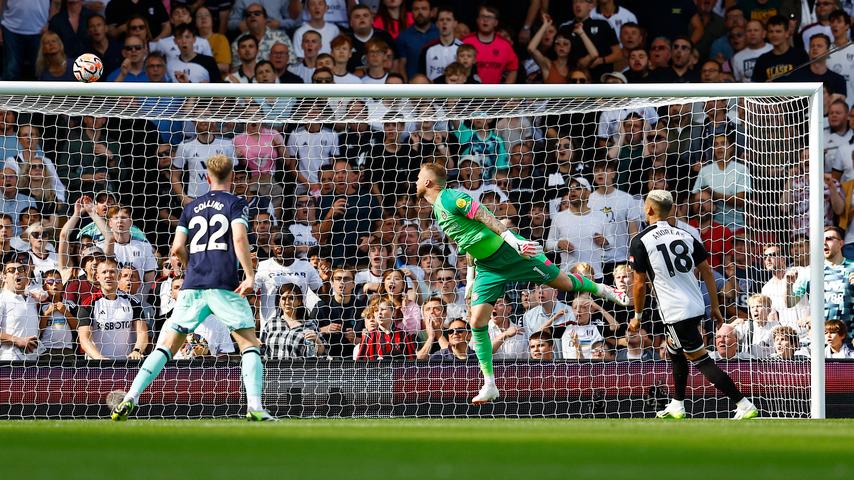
(349, 263)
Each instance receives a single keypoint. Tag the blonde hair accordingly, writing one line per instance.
(583, 268)
(42, 189)
(41, 60)
(764, 300)
(220, 167)
(622, 268)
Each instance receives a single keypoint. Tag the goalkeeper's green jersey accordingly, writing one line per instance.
(455, 210)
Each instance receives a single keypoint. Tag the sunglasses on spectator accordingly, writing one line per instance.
(457, 331)
(52, 281)
(37, 235)
(133, 47)
(253, 13)
(18, 269)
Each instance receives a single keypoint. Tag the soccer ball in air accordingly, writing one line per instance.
(88, 68)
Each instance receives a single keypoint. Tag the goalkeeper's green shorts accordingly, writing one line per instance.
(193, 306)
(505, 265)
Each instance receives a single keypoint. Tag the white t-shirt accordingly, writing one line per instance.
(327, 33)
(369, 80)
(515, 347)
(271, 275)
(610, 120)
(761, 345)
(137, 253)
(57, 333)
(168, 48)
(616, 21)
(733, 179)
(312, 150)
(25, 18)
(365, 276)
(483, 188)
(579, 230)
(535, 318)
(302, 71)
(837, 148)
(587, 336)
(19, 317)
(744, 60)
(194, 156)
(41, 265)
(620, 209)
(347, 78)
(302, 235)
(438, 56)
(775, 289)
(812, 29)
(842, 62)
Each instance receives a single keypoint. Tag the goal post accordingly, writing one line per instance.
(414, 385)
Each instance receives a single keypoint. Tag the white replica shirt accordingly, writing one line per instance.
(616, 21)
(842, 62)
(845, 352)
(19, 317)
(535, 318)
(302, 71)
(579, 230)
(588, 335)
(193, 155)
(744, 60)
(620, 209)
(303, 238)
(327, 33)
(41, 265)
(57, 333)
(271, 275)
(347, 78)
(112, 323)
(513, 348)
(312, 150)
(137, 253)
(837, 148)
(758, 340)
(436, 57)
(170, 50)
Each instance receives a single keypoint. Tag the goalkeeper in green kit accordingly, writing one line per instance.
(495, 256)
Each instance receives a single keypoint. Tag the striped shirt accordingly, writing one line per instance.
(377, 345)
(283, 341)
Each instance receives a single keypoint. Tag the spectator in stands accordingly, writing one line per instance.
(379, 340)
(106, 48)
(743, 62)
(600, 34)
(794, 200)
(412, 40)
(362, 28)
(376, 57)
(393, 16)
(52, 64)
(262, 226)
(279, 59)
(220, 49)
(787, 345)
(379, 260)
(37, 183)
(309, 147)
(129, 250)
(110, 323)
(541, 346)
(660, 53)
(192, 156)
(823, 9)
(717, 238)
(168, 46)
(263, 149)
(19, 318)
(775, 289)
(471, 180)
(726, 345)
(727, 180)
(817, 70)
(755, 333)
(132, 68)
(23, 24)
(637, 347)
(837, 61)
(582, 336)
(342, 52)
(340, 316)
(433, 313)
(547, 311)
(284, 267)
(837, 141)
(317, 23)
(836, 340)
(557, 70)
(458, 349)
(189, 66)
(400, 288)
(79, 276)
(444, 286)
(303, 225)
(41, 259)
(783, 58)
(439, 53)
(56, 318)
(7, 250)
(266, 34)
(70, 24)
(288, 335)
(578, 232)
(496, 60)
(277, 14)
(13, 202)
(680, 70)
(623, 213)
(509, 341)
(247, 52)
(310, 50)
(9, 146)
(120, 11)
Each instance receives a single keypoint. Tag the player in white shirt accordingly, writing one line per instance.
(284, 268)
(19, 317)
(192, 155)
(578, 232)
(622, 211)
(744, 60)
(667, 257)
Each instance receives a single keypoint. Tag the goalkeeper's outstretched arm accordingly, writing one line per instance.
(525, 248)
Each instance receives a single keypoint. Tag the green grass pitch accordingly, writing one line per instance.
(427, 449)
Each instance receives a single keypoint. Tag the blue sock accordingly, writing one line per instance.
(252, 371)
(151, 367)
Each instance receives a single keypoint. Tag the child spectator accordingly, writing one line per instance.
(378, 340)
(404, 298)
(835, 336)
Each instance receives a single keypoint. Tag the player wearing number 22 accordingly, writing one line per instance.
(667, 256)
(495, 256)
(216, 225)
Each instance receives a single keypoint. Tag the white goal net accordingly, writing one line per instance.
(359, 300)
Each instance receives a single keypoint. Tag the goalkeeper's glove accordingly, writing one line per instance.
(524, 248)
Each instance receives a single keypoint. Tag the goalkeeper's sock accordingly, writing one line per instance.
(483, 349)
(581, 283)
(718, 377)
(680, 374)
(151, 367)
(252, 371)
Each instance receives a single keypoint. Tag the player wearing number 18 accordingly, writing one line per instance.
(216, 225)
(667, 256)
(495, 256)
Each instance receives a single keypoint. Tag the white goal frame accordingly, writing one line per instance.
(813, 91)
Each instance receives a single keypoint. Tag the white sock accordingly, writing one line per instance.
(489, 380)
(744, 403)
(680, 404)
(254, 403)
